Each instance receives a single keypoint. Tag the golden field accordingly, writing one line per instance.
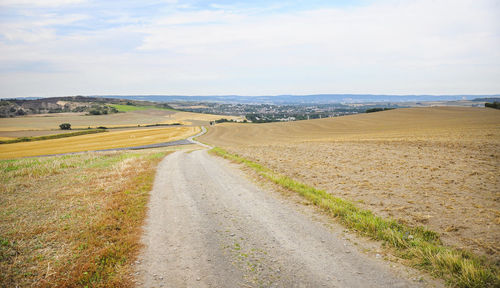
(106, 140)
(79, 120)
(437, 167)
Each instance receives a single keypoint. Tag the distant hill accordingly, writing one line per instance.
(93, 105)
(490, 99)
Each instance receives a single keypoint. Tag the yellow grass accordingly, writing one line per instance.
(73, 221)
(6, 138)
(115, 139)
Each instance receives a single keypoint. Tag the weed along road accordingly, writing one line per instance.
(209, 226)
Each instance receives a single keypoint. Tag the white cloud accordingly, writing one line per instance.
(418, 46)
(37, 30)
(39, 3)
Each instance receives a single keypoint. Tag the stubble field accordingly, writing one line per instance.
(106, 140)
(129, 129)
(436, 167)
(79, 120)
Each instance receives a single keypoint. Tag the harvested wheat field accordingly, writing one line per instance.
(438, 167)
(106, 140)
(79, 120)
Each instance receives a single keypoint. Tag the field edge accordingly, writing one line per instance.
(421, 248)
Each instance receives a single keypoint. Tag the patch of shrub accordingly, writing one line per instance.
(371, 110)
(494, 105)
(222, 120)
(65, 126)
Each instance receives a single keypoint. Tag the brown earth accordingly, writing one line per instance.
(436, 167)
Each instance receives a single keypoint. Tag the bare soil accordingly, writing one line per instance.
(452, 189)
(437, 167)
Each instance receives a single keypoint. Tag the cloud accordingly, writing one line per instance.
(421, 33)
(404, 47)
(41, 29)
(39, 3)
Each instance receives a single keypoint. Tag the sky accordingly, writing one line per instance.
(221, 47)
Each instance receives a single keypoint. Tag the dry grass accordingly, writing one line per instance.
(99, 141)
(73, 221)
(77, 120)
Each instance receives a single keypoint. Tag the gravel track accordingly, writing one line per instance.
(209, 226)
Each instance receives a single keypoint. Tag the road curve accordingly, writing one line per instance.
(191, 138)
(208, 226)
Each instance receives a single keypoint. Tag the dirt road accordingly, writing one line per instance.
(209, 226)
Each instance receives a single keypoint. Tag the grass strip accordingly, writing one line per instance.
(419, 245)
(54, 136)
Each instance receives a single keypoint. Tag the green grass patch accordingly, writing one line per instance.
(420, 246)
(54, 136)
(129, 108)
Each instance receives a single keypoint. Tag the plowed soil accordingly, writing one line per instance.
(437, 167)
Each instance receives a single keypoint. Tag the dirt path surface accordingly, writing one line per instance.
(209, 226)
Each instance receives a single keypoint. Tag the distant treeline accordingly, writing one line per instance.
(371, 110)
(223, 120)
(495, 105)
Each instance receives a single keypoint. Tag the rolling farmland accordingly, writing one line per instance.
(437, 167)
(79, 120)
(437, 123)
(129, 128)
(106, 140)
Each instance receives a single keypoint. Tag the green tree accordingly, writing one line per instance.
(495, 105)
(65, 126)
